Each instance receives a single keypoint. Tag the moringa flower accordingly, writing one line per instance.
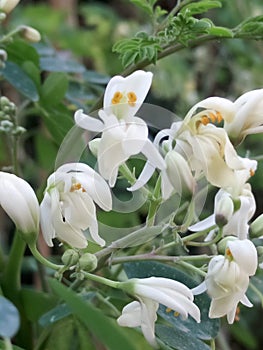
(19, 201)
(150, 292)
(123, 134)
(227, 278)
(242, 117)
(231, 212)
(68, 206)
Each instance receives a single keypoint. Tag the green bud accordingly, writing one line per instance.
(222, 245)
(256, 228)
(70, 257)
(88, 262)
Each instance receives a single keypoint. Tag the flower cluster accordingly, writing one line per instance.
(201, 146)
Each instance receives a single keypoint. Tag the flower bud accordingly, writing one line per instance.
(179, 173)
(19, 201)
(256, 228)
(70, 257)
(94, 145)
(88, 262)
(30, 34)
(8, 5)
(224, 208)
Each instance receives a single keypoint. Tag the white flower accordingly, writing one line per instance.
(242, 117)
(227, 279)
(19, 201)
(8, 5)
(150, 292)
(68, 206)
(234, 220)
(123, 134)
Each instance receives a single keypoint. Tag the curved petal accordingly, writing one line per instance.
(245, 255)
(202, 225)
(144, 177)
(47, 228)
(131, 315)
(138, 83)
(88, 123)
(153, 156)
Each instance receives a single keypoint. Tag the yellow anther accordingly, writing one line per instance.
(219, 117)
(117, 98)
(252, 172)
(205, 120)
(132, 98)
(176, 314)
(168, 309)
(212, 117)
(229, 254)
(237, 318)
(76, 187)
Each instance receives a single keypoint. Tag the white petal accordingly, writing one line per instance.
(153, 156)
(138, 82)
(201, 288)
(203, 224)
(88, 123)
(144, 177)
(245, 255)
(135, 136)
(45, 220)
(131, 315)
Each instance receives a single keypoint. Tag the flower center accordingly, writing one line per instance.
(120, 97)
(209, 117)
(76, 187)
(229, 254)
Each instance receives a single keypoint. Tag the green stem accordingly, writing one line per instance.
(7, 344)
(153, 257)
(126, 172)
(43, 260)
(193, 268)
(12, 273)
(99, 279)
(155, 202)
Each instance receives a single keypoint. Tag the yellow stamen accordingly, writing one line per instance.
(176, 314)
(252, 172)
(205, 120)
(168, 309)
(132, 98)
(117, 98)
(219, 117)
(212, 117)
(228, 253)
(76, 187)
(237, 318)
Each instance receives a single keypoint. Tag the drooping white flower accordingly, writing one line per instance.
(150, 292)
(123, 134)
(233, 220)
(19, 201)
(8, 5)
(227, 279)
(242, 117)
(68, 206)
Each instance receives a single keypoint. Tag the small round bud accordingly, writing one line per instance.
(4, 101)
(222, 245)
(3, 55)
(70, 257)
(224, 208)
(88, 262)
(30, 34)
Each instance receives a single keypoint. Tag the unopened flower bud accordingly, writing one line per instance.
(94, 145)
(88, 262)
(256, 228)
(8, 5)
(3, 55)
(30, 34)
(19, 201)
(179, 173)
(224, 208)
(70, 257)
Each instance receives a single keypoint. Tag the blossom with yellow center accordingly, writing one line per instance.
(68, 208)
(123, 134)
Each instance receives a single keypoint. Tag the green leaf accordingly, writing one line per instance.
(221, 32)
(36, 303)
(54, 89)
(14, 347)
(20, 81)
(95, 77)
(33, 72)
(9, 320)
(56, 64)
(179, 340)
(20, 51)
(105, 329)
(145, 5)
(200, 7)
